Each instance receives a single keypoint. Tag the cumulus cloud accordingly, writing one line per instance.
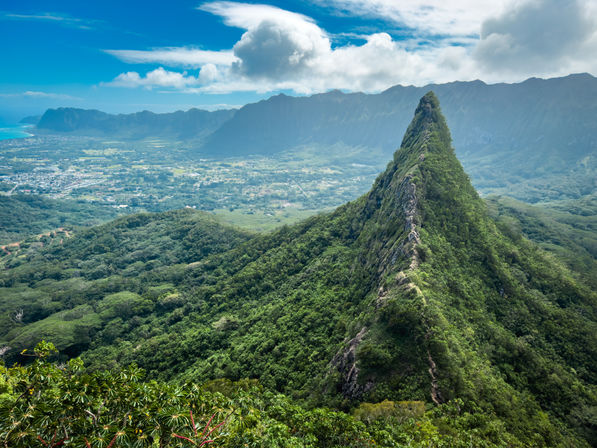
(277, 42)
(284, 50)
(208, 73)
(155, 78)
(272, 50)
(540, 36)
(382, 62)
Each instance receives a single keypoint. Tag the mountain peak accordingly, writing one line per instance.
(428, 103)
(428, 121)
(424, 186)
(426, 133)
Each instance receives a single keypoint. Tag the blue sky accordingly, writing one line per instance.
(124, 56)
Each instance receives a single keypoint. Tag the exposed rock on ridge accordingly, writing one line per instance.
(346, 362)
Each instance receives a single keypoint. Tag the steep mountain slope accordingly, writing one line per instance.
(192, 124)
(409, 293)
(483, 118)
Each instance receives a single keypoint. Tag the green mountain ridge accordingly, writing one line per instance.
(411, 292)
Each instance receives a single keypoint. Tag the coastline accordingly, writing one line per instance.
(15, 131)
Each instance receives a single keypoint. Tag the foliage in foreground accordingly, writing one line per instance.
(51, 405)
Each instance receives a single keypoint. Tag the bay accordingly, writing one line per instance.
(8, 131)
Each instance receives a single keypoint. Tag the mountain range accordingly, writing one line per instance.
(192, 124)
(411, 292)
(538, 137)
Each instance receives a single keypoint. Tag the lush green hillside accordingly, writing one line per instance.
(566, 228)
(93, 281)
(58, 405)
(22, 216)
(410, 293)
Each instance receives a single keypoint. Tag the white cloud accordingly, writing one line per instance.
(38, 94)
(60, 19)
(208, 73)
(175, 56)
(274, 50)
(155, 78)
(541, 37)
(284, 50)
(382, 62)
(277, 42)
(440, 17)
(247, 16)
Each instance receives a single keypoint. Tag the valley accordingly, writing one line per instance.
(285, 158)
(260, 192)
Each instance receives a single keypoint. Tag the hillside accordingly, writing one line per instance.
(192, 124)
(568, 229)
(32, 119)
(24, 215)
(411, 292)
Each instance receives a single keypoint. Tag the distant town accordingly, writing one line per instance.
(157, 175)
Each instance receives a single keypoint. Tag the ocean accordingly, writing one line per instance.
(8, 131)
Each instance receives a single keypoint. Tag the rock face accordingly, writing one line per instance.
(436, 396)
(409, 246)
(346, 363)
